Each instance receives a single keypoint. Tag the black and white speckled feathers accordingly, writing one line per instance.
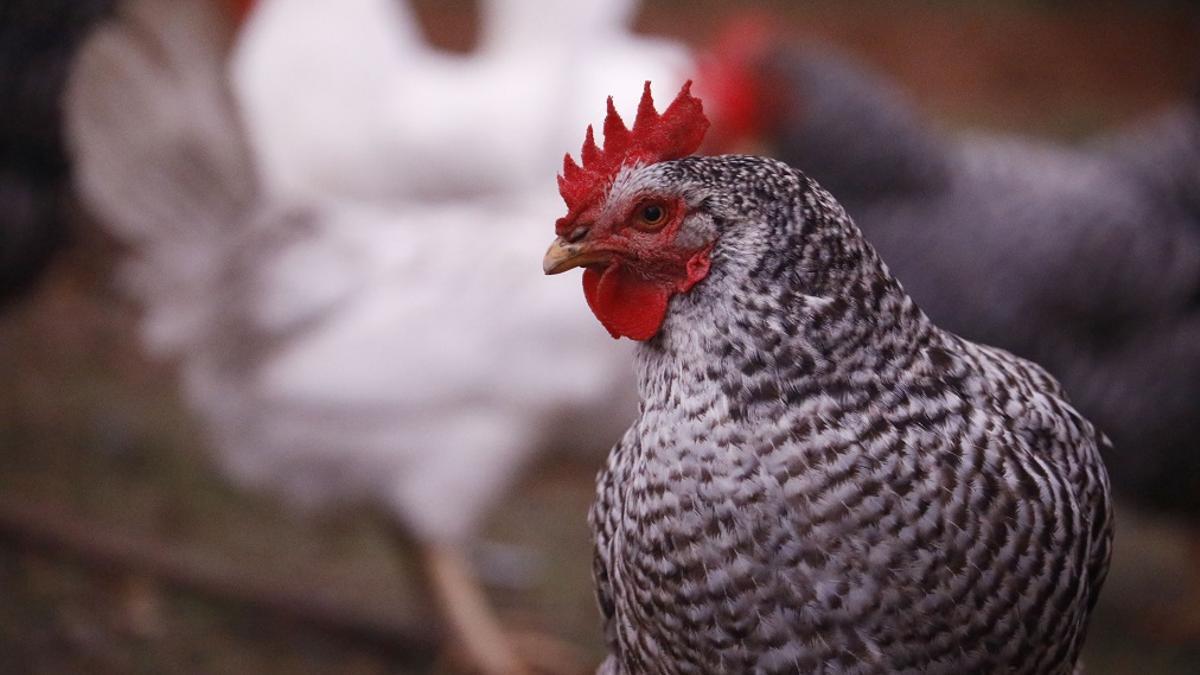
(820, 480)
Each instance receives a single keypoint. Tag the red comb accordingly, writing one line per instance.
(734, 80)
(239, 10)
(675, 133)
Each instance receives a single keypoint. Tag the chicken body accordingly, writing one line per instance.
(329, 312)
(338, 350)
(822, 480)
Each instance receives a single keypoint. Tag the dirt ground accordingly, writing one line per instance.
(121, 549)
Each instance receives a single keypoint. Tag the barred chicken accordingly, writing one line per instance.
(819, 479)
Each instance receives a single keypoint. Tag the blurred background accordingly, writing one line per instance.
(129, 544)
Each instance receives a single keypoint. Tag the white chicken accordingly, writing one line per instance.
(341, 338)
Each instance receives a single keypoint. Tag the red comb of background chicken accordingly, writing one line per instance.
(239, 10)
(676, 133)
(739, 89)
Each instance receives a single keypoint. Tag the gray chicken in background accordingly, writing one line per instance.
(1154, 370)
(1086, 260)
(38, 39)
(1162, 153)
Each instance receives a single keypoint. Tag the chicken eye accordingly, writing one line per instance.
(651, 216)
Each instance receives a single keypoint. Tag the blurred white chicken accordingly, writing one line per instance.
(347, 98)
(347, 330)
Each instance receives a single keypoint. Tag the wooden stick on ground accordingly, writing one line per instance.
(56, 532)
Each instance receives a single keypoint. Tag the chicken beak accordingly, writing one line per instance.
(562, 256)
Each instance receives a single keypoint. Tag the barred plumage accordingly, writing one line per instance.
(820, 479)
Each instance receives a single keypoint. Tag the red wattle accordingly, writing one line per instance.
(626, 304)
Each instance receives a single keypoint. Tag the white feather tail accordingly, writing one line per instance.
(160, 158)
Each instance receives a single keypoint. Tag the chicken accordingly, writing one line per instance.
(403, 354)
(819, 478)
(381, 114)
(37, 42)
